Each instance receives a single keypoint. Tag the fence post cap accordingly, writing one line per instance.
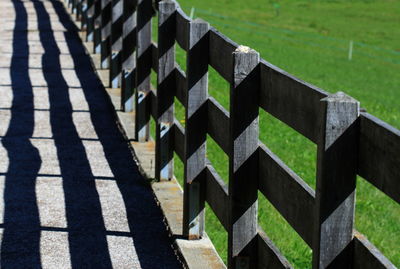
(167, 3)
(339, 97)
(199, 20)
(244, 49)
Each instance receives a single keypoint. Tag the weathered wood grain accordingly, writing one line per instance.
(181, 85)
(144, 13)
(217, 196)
(379, 155)
(367, 256)
(243, 159)
(182, 26)
(218, 124)
(347, 144)
(117, 20)
(336, 180)
(97, 27)
(220, 58)
(106, 14)
(129, 37)
(115, 69)
(128, 57)
(89, 18)
(127, 90)
(287, 192)
(195, 129)
(291, 100)
(179, 138)
(83, 9)
(165, 90)
(269, 255)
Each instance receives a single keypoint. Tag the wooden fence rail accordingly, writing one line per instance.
(349, 142)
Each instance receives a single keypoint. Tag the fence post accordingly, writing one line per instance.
(243, 159)
(116, 42)
(73, 6)
(79, 6)
(128, 57)
(165, 90)
(336, 182)
(106, 11)
(83, 14)
(97, 27)
(143, 69)
(196, 129)
(89, 20)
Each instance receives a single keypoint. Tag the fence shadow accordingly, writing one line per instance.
(21, 235)
(87, 235)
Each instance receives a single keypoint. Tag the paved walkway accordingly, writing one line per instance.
(70, 193)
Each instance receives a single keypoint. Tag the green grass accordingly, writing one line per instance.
(310, 40)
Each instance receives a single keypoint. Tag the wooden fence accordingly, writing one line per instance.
(350, 142)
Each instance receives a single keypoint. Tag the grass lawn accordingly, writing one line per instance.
(311, 40)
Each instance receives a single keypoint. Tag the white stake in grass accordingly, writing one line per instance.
(351, 50)
(191, 13)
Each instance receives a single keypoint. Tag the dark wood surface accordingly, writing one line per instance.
(165, 91)
(379, 155)
(195, 133)
(243, 159)
(349, 143)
